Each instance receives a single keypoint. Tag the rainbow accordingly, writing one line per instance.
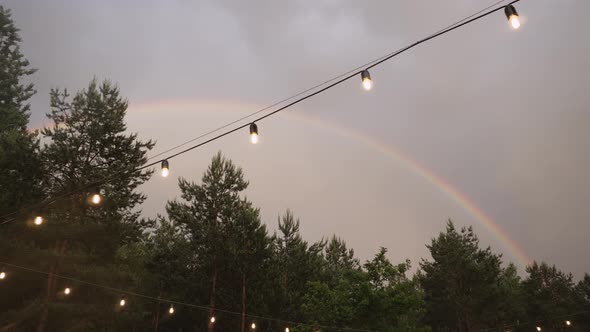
(444, 186)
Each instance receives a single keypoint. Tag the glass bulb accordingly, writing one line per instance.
(254, 138)
(171, 310)
(38, 220)
(67, 291)
(122, 303)
(538, 328)
(213, 319)
(96, 199)
(367, 83)
(253, 326)
(568, 323)
(2, 275)
(514, 21)
(165, 172)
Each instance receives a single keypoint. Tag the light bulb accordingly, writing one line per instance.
(366, 79)
(512, 16)
(253, 133)
(171, 310)
(538, 328)
(165, 168)
(67, 291)
(253, 326)
(514, 21)
(568, 323)
(96, 199)
(122, 303)
(212, 320)
(286, 329)
(2, 275)
(38, 220)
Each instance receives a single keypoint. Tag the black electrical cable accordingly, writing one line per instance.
(348, 75)
(192, 305)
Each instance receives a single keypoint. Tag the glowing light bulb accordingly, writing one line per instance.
(67, 291)
(38, 220)
(212, 320)
(512, 16)
(253, 133)
(2, 275)
(122, 303)
(171, 310)
(165, 168)
(253, 326)
(366, 79)
(568, 323)
(96, 199)
(514, 21)
(538, 328)
(286, 329)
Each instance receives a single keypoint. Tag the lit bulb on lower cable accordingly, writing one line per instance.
(67, 291)
(38, 220)
(95, 198)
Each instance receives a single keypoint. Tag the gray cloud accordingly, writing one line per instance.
(501, 115)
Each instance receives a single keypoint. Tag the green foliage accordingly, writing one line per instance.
(20, 177)
(86, 144)
(548, 291)
(461, 283)
(212, 249)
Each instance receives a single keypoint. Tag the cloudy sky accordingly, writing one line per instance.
(486, 125)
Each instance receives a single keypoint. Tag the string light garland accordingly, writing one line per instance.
(213, 319)
(538, 324)
(333, 82)
(96, 197)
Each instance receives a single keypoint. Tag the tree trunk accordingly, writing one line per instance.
(60, 248)
(157, 319)
(212, 298)
(243, 302)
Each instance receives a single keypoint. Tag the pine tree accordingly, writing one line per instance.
(20, 177)
(295, 264)
(549, 293)
(461, 282)
(87, 144)
(207, 214)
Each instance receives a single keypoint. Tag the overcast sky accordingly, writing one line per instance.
(501, 115)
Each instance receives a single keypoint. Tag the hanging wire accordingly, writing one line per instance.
(536, 322)
(180, 303)
(319, 88)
